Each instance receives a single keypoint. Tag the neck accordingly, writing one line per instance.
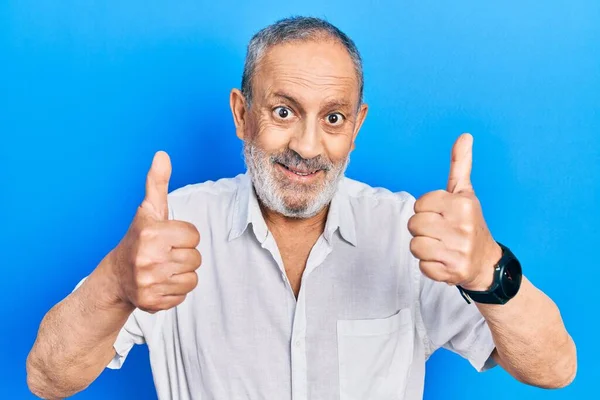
(300, 226)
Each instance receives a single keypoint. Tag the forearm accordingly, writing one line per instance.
(531, 341)
(75, 339)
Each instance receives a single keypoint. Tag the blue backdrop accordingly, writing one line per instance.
(89, 90)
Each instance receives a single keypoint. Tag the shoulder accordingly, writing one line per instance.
(209, 195)
(366, 198)
(221, 187)
(380, 217)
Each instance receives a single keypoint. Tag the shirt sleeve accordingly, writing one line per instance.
(131, 333)
(445, 319)
(450, 322)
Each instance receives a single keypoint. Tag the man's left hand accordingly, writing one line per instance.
(450, 236)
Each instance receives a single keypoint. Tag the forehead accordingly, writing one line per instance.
(311, 70)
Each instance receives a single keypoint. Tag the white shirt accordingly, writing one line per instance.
(364, 323)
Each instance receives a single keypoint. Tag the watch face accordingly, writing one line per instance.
(511, 278)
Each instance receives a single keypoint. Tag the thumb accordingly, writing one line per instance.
(459, 178)
(157, 185)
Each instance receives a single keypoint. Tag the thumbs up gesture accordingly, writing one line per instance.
(450, 236)
(156, 261)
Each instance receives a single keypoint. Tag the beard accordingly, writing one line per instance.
(292, 199)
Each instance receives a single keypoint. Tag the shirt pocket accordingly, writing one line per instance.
(374, 356)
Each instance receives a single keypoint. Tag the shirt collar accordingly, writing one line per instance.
(341, 216)
(246, 211)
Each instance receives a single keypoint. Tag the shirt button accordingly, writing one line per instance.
(298, 343)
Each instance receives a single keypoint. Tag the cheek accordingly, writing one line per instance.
(337, 146)
(271, 136)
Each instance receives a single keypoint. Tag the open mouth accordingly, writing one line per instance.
(299, 172)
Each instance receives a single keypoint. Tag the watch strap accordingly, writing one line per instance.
(494, 294)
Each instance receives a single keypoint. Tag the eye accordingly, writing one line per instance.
(334, 119)
(282, 112)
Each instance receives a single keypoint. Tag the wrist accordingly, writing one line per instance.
(485, 279)
(111, 294)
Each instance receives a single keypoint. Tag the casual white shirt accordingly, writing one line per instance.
(363, 325)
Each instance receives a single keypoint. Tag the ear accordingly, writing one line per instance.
(237, 102)
(360, 118)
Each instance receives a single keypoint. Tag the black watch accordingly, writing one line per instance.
(507, 281)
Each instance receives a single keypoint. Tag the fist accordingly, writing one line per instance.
(450, 236)
(156, 261)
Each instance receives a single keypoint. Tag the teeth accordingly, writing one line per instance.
(297, 172)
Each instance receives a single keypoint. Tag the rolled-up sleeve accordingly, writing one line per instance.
(131, 333)
(450, 322)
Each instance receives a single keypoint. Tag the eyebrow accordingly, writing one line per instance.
(332, 104)
(289, 98)
(337, 104)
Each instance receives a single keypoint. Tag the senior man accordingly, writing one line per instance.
(312, 285)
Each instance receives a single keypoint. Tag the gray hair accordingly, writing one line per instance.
(295, 29)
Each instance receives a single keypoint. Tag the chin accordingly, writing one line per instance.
(292, 205)
(303, 213)
(301, 207)
(296, 203)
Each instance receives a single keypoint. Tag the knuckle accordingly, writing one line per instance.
(191, 282)
(412, 224)
(468, 228)
(147, 233)
(197, 258)
(141, 259)
(195, 235)
(418, 205)
(414, 245)
(194, 280)
(438, 196)
(423, 266)
(464, 205)
(144, 279)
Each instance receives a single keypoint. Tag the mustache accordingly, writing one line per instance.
(290, 158)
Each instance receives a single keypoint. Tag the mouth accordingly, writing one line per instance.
(298, 173)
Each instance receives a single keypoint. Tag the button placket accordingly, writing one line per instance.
(298, 339)
(298, 353)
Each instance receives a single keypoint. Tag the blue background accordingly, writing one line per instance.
(89, 90)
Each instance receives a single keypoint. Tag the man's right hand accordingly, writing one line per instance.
(153, 268)
(155, 263)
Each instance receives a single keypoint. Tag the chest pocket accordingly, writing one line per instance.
(375, 356)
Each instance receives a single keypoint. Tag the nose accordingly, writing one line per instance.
(308, 141)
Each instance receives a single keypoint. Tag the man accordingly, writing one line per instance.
(312, 286)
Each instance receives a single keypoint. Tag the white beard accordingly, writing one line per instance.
(269, 191)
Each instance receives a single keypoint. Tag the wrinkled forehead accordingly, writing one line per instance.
(313, 72)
